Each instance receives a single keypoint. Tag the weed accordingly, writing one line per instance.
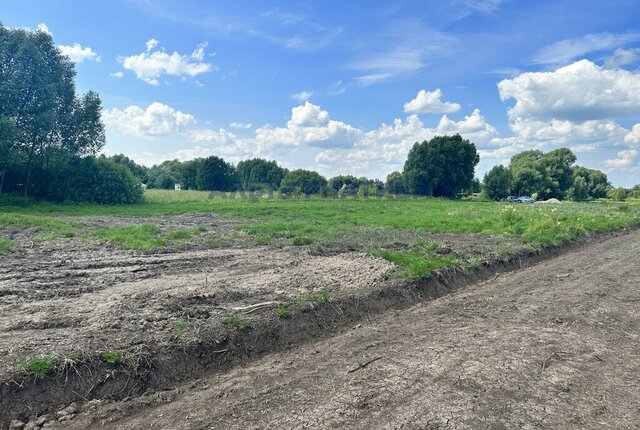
(263, 240)
(110, 374)
(324, 296)
(5, 244)
(282, 311)
(40, 366)
(307, 297)
(236, 321)
(301, 241)
(111, 357)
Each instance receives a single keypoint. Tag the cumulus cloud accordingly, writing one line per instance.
(577, 92)
(624, 159)
(151, 65)
(429, 102)
(302, 96)
(117, 74)
(633, 137)
(77, 53)
(157, 119)
(567, 50)
(309, 125)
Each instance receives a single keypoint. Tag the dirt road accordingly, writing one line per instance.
(554, 346)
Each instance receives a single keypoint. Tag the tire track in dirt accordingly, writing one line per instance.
(556, 346)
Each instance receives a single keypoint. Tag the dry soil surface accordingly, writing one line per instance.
(554, 346)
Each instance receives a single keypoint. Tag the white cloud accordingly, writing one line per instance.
(429, 102)
(580, 91)
(78, 54)
(309, 125)
(633, 137)
(157, 119)
(373, 78)
(247, 125)
(302, 96)
(473, 126)
(151, 65)
(151, 44)
(117, 74)
(624, 159)
(622, 57)
(44, 28)
(567, 50)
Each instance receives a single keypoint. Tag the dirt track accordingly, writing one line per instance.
(553, 346)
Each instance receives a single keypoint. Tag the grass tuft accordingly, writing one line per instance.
(39, 366)
(236, 321)
(111, 357)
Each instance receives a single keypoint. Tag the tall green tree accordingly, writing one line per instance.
(497, 183)
(39, 104)
(395, 183)
(588, 183)
(442, 166)
(215, 174)
(303, 181)
(258, 173)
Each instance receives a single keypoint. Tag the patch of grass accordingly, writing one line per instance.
(282, 311)
(417, 265)
(325, 297)
(39, 366)
(111, 357)
(301, 241)
(307, 298)
(5, 244)
(326, 221)
(236, 321)
(145, 236)
(263, 239)
(217, 242)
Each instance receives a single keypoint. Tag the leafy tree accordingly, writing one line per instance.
(580, 189)
(303, 181)
(257, 173)
(588, 183)
(497, 183)
(39, 104)
(139, 171)
(619, 194)
(189, 173)
(215, 174)
(395, 183)
(634, 192)
(545, 175)
(165, 175)
(442, 167)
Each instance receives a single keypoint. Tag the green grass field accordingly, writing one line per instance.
(314, 220)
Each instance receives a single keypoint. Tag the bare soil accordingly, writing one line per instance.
(164, 312)
(554, 346)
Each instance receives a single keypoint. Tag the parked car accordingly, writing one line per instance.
(521, 199)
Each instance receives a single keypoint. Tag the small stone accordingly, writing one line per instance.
(16, 424)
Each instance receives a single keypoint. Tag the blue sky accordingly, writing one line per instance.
(346, 87)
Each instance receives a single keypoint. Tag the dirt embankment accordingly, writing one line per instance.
(553, 346)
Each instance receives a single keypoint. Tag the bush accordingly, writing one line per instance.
(96, 180)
